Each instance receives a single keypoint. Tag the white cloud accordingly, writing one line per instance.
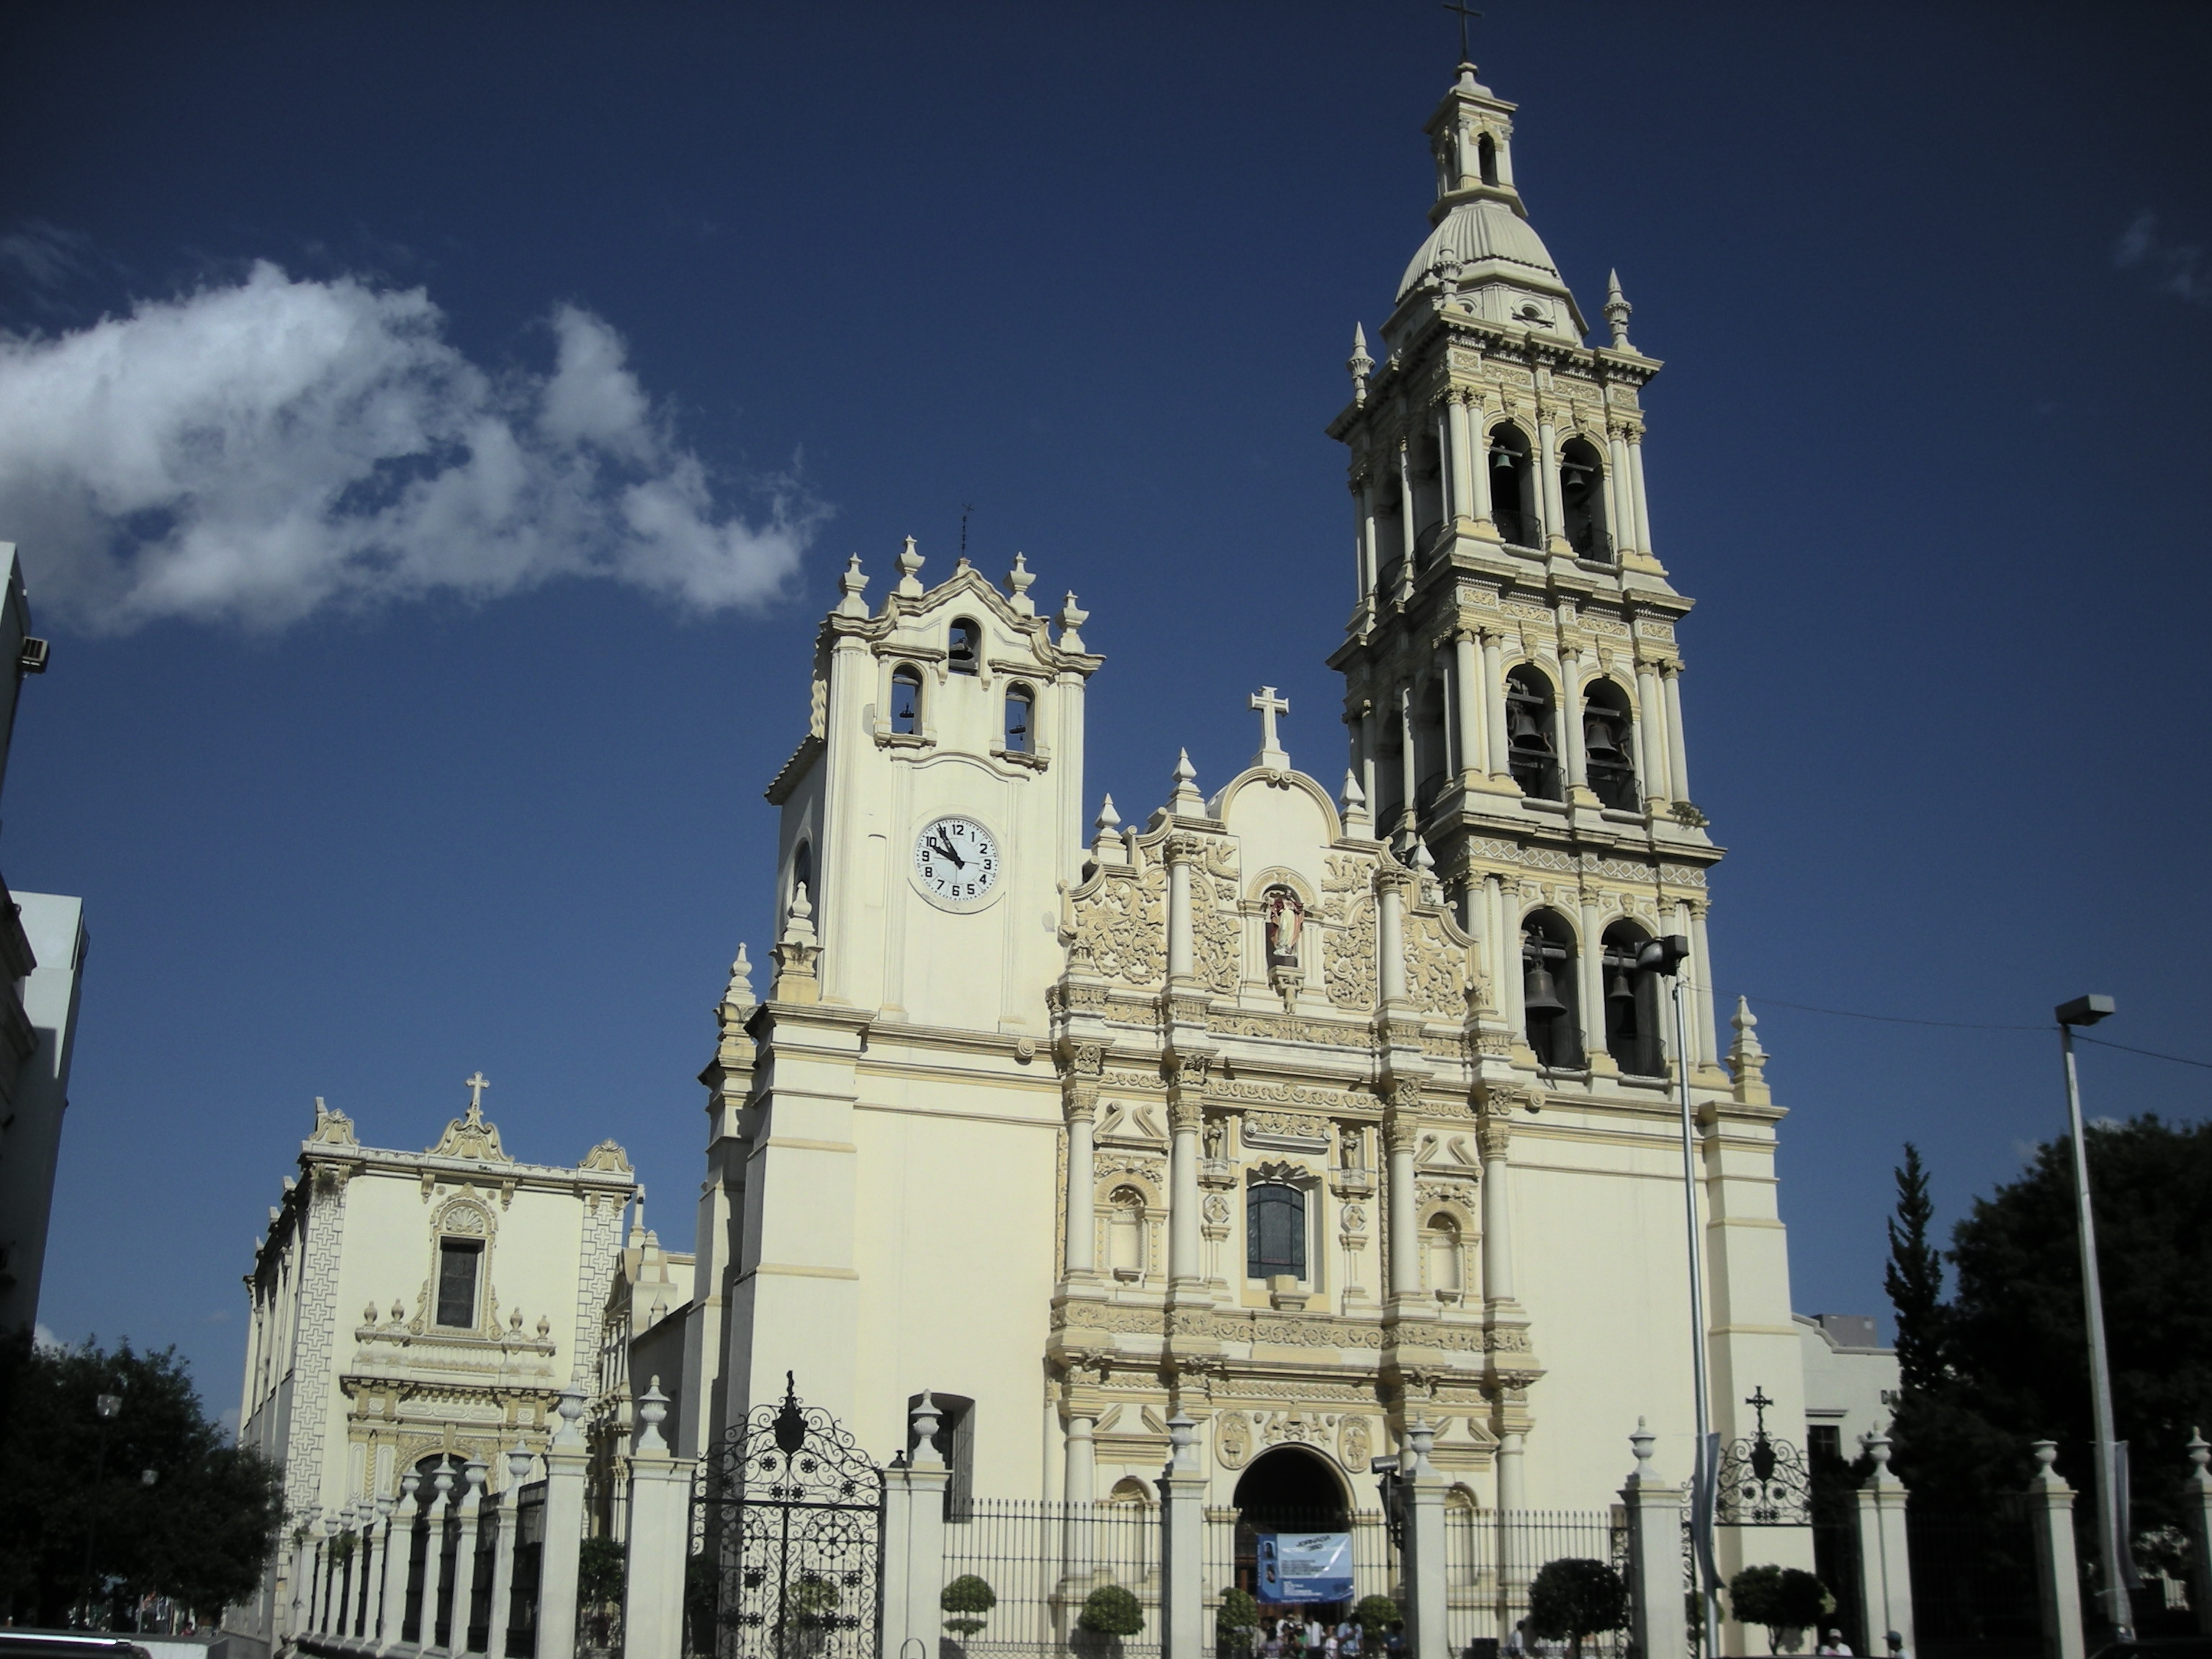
(2175, 268)
(256, 452)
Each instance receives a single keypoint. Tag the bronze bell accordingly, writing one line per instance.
(1537, 995)
(1528, 731)
(1620, 990)
(1599, 736)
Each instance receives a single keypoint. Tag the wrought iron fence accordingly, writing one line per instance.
(1229, 1554)
(1522, 1542)
(1974, 1582)
(1042, 1560)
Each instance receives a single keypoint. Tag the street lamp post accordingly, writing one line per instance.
(2111, 1543)
(1665, 956)
(107, 1407)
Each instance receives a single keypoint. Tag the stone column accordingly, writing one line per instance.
(1409, 527)
(518, 1463)
(659, 1537)
(1390, 939)
(1363, 511)
(1181, 947)
(1474, 723)
(1454, 467)
(302, 1586)
(1570, 728)
(398, 1560)
(1658, 1629)
(1505, 957)
(1885, 1571)
(1493, 680)
(1186, 1269)
(1702, 1035)
(1409, 762)
(1492, 1138)
(1401, 1138)
(1425, 1590)
(1547, 483)
(565, 1461)
(913, 1539)
(464, 1564)
(1590, 962)
(1478, 474)
(1678, 770)
(1651, 733)
(1620, 497)
(1636, 488)
(1182, 1529)
(433, 1561)
(2196, 1520)
(1081, 1486)
(2057, 1575)
(1082, 1109)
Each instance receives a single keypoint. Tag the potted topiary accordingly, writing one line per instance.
(1572, 1598)
(1109, 1612)
(1785, 1600)
(968, 1600)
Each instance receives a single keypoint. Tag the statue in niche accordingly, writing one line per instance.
(1286, 921)
(1216, 1137)
(1352, 1140)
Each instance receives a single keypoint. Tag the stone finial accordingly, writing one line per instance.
(409, 1484)
(384, 1505)
(1642, 1441)
(1421, 1440)
(442, 1482)
(571, 1409)
(909, 564)
(635, 1239)
(2200, 1453)
(1617, 309)
(653, 1411)
(1018, 579)
(1425, 867)
(797, 951)
(1182, 1443)
(2046, 1461)
(520, 1462)
(1360, 365)
(1186, 799)
(923, 1427)
(1071, 619)
(331, 1128)
(1106, 841)
(474, 1472)
(1351, 803)
(852, 584)
(1746, 1059)
(738, 994)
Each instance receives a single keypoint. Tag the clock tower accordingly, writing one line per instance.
(931, 825)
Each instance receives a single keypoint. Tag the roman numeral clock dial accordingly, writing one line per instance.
(957, 863)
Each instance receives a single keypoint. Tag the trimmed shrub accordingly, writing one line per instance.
(1575, 1597)
(1109, 1610)
(969, 1598)
(1374, 1615)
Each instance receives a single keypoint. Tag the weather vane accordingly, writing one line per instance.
(1464, 12)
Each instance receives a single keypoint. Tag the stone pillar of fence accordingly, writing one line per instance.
(1885, 1584)
(2196, 1518)
(565, 1461)
(2057, 1577)
(508, 1505)
(1423, 1496)
(914, 1540)
(400, 1547)
(1656, 1623)
(659, 1537)
(1183, 1533)
(433, 1561)
(472, 1508)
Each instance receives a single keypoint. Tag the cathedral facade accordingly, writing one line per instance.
(1311, 1107)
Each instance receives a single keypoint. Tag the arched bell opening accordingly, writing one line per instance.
(1582, 501)
(1429, 759)
(1551, 1022)
(1609, 731)
(964, 647)
(1424, 466)
(1529, 750)
(1513, 487)
(1289, 1489)
(1485, 158)
(906, 701)
(1631, 1004)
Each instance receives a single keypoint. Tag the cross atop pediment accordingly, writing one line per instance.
(1269, 707)
(476, 1083)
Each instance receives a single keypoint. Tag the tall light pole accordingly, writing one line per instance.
(1665, 956)
(2112, 1541)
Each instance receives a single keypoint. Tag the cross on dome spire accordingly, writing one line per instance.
(476, 1083)
(1464, 12)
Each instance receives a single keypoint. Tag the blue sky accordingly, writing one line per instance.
(377, 762)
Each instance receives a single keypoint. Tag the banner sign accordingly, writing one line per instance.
(1305, 1566)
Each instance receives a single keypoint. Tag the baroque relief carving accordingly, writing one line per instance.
(1123, 925)
(1434, 979)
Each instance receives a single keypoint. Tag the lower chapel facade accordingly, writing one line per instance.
(1309, 1109)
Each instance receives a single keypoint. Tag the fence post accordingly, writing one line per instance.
(399, 1543)
(465, 1557)
(659, 1538)
(433, 1559)
(1183, 1524)
(565, 1461)
(2196, 1518)
(913, 1539)
(503, 1557)
(1425, 1548)
(1655, 1557)
(2058, 1579)
(1885, 1568)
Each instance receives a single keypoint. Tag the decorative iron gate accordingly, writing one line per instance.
(789, 1530)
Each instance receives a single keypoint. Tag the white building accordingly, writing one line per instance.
(1305, 1109)
(42, 950)
(412, 1307)
(1850, 1381)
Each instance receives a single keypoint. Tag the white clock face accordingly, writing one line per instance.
(956, 862)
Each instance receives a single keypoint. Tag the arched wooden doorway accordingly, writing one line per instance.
(1288, 1489)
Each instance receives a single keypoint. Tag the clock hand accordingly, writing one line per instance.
(946, 847)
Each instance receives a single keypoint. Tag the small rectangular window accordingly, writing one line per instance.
(1824, 1440)
(457, 1282)
(1274, 1231)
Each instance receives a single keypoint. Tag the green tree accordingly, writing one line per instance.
(1109, 1610)
(1374, 1615)
(602, 1567)
(1234, 1623)
(968, 1599)
(1786, 1599)
(1914, 1278)
(202, 1530)
(1572, 1598)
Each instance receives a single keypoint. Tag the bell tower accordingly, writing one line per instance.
(1511, 669)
